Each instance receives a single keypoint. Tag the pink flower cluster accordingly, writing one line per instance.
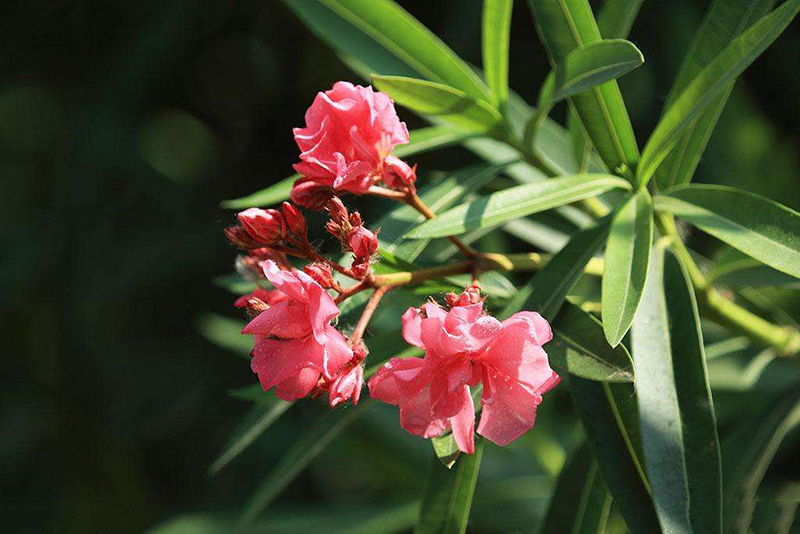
(464, 348)
(346, 144)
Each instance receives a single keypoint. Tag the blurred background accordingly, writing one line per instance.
(122, 127)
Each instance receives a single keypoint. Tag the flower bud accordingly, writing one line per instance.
(360, 267)
(362, 242)
(295, 221)
(355, 219)
(321, 274)
(337, 210)
(471, 295)
(347, 386)
(240, 238)
(310, 195)
(397, 173)
(265, 226)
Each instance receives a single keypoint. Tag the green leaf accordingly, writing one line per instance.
(587, 67)
(496, 31)
(437, 196)
(747, 454)
(710, 83)
(759, 227)
(627, 257)
(616, 17)
(613, 442)
(388, 40)
(724, 21)
(440, 101)
(448, 495)
(299, 455)
(226, 333)
(679, 428)
(581, 348)
(565, 25)
(420, 140)
(256, 422)
(516, 202)
(446, 449)
(581, 502)
(749, 272)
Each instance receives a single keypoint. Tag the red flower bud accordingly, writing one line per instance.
(355, 219)
(295, 221)
(347, 386)
(337, 210)
(240, 238)
(265, 226)
(321, 274)
(362, 242)
(360, 267)
(471, 295)
(397, 173)
(310, 195)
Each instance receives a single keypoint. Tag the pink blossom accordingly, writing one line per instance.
(310, 194)
(463, 347)
(265, 226)
(362, 242)
(347, 386)
(348, 134)
(295, 344)
(397, 173)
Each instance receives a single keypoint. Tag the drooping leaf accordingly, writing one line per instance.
(723, 22)
(581, 502)
(496, 31)
(587, 67)
(420, 140)
(759, 227)
(678, 424)
(437, 196)
(563, 26)
(710, 83)
(255, 423)
(388, 40)
(299, 455)
(627, 256)
(440, 101)
(581, 348)
(611, 439)
(616, 18)
(516, 202)
(747, 454)
(447, 499)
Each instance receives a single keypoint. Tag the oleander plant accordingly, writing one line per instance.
(664, 381)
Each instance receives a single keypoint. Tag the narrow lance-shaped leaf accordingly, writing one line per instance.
(420, 140)
(581, 502)
(757, 226)
(613, 443)
(712, 81)
(678, 425)
(616, 18)
(723, 22)
(517, 202)
(299, 455)
(565, 25)
(440, 101)
(448, 495)
(496, 31)
(389, 40)
(625, 273)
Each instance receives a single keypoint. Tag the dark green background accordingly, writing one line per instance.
(122, 126)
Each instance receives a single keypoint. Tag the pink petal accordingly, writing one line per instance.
(321, 308)
(463, 423)
(287, 282)
(412, 324)
(299, 385)
(509, 410)
(516, 355)
(276, 360)
(535, 322)
(394, 380)
(287, 319)
(336, 354)
(417, 417)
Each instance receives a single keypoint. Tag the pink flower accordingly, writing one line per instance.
(310, 194)
(362, 242)
(463, 348)
(295, 344)
(347, 386)
(348, 134)
(397, 173)
(265, 226)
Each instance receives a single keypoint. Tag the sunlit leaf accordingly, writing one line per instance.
(516, 202)
(626, 259)
(759, 227)
(678, 424)
(616, 18)
(496, 30)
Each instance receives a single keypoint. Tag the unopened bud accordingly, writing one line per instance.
(265, 226)
(471, 295)
(240, 238)
(309, 194)
(362, 242)
(347, 386)
(360, 267)
(255, 306)
(337, 210)
(295, 221)
(397, 173)
(355, 219)
(321, 274)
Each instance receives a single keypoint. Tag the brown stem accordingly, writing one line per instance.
(386, 193)
(415, 202)
(348, 292)
(369, 310)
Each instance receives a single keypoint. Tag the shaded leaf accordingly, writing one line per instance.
(616, 18)
(226, 333)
